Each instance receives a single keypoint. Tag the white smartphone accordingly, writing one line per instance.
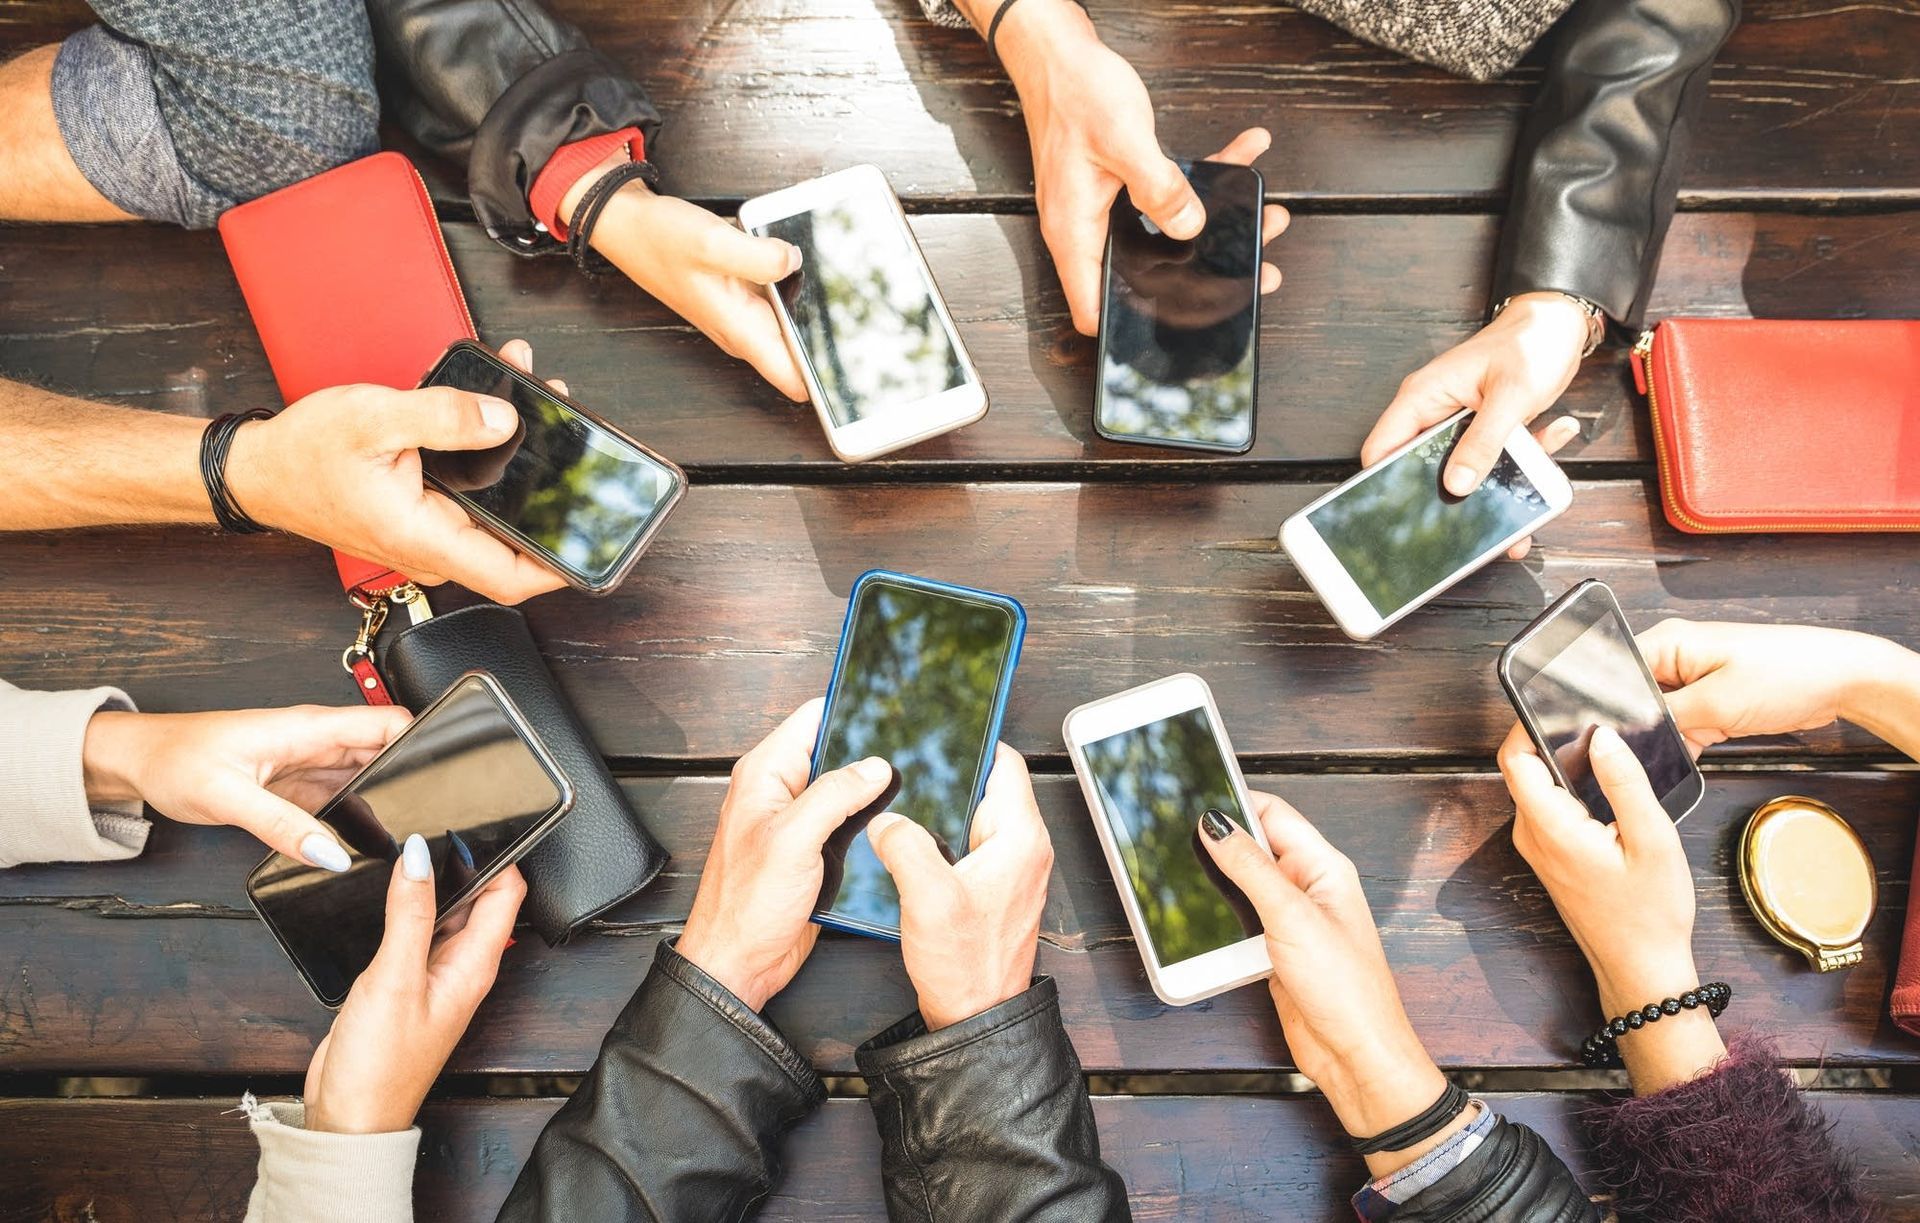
(1151, 760)
(883, 362)
(1392, 538)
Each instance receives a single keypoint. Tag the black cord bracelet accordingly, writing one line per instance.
(586, 214)
(1438, 1115)
(1602, 1050)
(993, 27)
(214, 445)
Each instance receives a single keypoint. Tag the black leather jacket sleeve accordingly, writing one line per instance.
(988, 1119)
(1596, 170)
(680, 1118)
(1513, 1176)
(499, 85)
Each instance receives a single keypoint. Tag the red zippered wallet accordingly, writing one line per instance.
(1773, 425)
(348, 280)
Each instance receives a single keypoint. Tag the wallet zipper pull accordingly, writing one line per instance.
(414, 599)
(357, 658)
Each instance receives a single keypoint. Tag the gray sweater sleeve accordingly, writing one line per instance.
(942, 12)
(44, 812)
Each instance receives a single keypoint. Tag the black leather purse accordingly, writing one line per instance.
(601, 853)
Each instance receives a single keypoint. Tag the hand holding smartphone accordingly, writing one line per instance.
(1576, 668)
(469, 775)
(921, 681)
(1180, 323)
(568, 488)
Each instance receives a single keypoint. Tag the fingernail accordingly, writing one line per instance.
(1190, 218)
(1567, 426)
(873, 769)
(498, 414)
(324, 852)
(1605, 740)
(793, 258)
(415, 862)
(882, 822)
(1215, 824)
(1461, 479)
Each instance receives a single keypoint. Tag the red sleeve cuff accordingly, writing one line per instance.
(565, 167)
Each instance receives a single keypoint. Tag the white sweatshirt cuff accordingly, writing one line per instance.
(44, 813)
(310, 1177)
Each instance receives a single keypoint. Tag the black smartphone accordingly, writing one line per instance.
(1180, 323)
(568, 488)
(921, 681)
(469, 775)
(1576, 668)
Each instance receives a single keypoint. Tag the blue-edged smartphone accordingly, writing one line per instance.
(921, 680)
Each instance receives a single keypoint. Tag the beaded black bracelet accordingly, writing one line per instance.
(214, 445)
(586, 213)
(1602, 1050)
(1437, 1116)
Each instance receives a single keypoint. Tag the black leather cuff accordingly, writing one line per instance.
(908, 1042)
(673, 967)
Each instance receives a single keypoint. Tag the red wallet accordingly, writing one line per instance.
(1905, 1001)
(1766, 425)
(348, 280)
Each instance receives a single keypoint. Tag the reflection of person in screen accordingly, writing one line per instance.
(1185, 308)
(353, 818)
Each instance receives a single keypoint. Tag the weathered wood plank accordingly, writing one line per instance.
(1182, 1157)
(734, 616)
(157, 965)
(151, 316)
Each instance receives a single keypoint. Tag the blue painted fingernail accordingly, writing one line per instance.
(415, 862)
(324, 852)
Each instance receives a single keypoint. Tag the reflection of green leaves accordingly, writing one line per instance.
(1215, 411)
(915, 685)
(1154, 781)
(1397, 533)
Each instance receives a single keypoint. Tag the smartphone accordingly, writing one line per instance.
(1180, 324)
(469, 775)
(1576, 668)
(1392, 538)
(568, 488)
(882, 360)
(1150, 761)
(921, 681)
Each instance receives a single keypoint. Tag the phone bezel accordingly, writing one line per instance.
(1003, 688)
(1214, 972)
(501, 529)
(447, 906)
(899, 426)
(1350, 607)
(1100, 358)
(1586, 604)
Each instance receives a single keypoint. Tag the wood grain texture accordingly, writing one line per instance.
(158, 964)
(152, 317)
(1224, 1159)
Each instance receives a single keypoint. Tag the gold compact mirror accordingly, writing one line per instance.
(1808, 878)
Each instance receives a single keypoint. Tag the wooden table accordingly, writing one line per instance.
(1803, 199)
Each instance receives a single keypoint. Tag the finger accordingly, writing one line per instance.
(832, 798)
(442, 418)
(1273, 222)
(1423, 400)
(470, 959)
(1519, 551)
(1269, 278)
(755, 337)
(1301, 851)
(1556, 434)
(1505, 407)
(734, 252)
(519, 354)
(1550, 812)
(1156, 187)
(1245, 148)
(910, 855)
(451, 544)
(785, 757)
(402, 958)
(1007, 807)
(1644, 826)
(559, 386)
(1674, 651)
(332, 736)
(1251, 868)
(281, 826)
(1076, 235)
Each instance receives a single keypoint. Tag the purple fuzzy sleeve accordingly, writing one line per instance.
(1737, 1144)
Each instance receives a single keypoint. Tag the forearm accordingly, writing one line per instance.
(38, 178)
(71, 463)
(1886, 700)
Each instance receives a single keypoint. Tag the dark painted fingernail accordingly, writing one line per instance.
(1216, 824)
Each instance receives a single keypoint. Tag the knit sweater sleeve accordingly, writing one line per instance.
(44, 812)
(942, 12)
(1736, 1144)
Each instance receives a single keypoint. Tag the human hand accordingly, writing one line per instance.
(342, 468)
(1331, 984)
(1090, 123)
(751, 928)
(1509, 372)
(1729, 681)
(705, 270)
(263, 770)
(412, 1005)
(1625, 892)
(969, 929)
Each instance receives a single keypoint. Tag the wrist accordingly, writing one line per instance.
(1629, 987)
(112, 756)
(1560, 314)
(1375, 1087)
(249, 482)
(941, 1013)
(1037, 35)
(729, 973)
(570, 198)
(1886, 678)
